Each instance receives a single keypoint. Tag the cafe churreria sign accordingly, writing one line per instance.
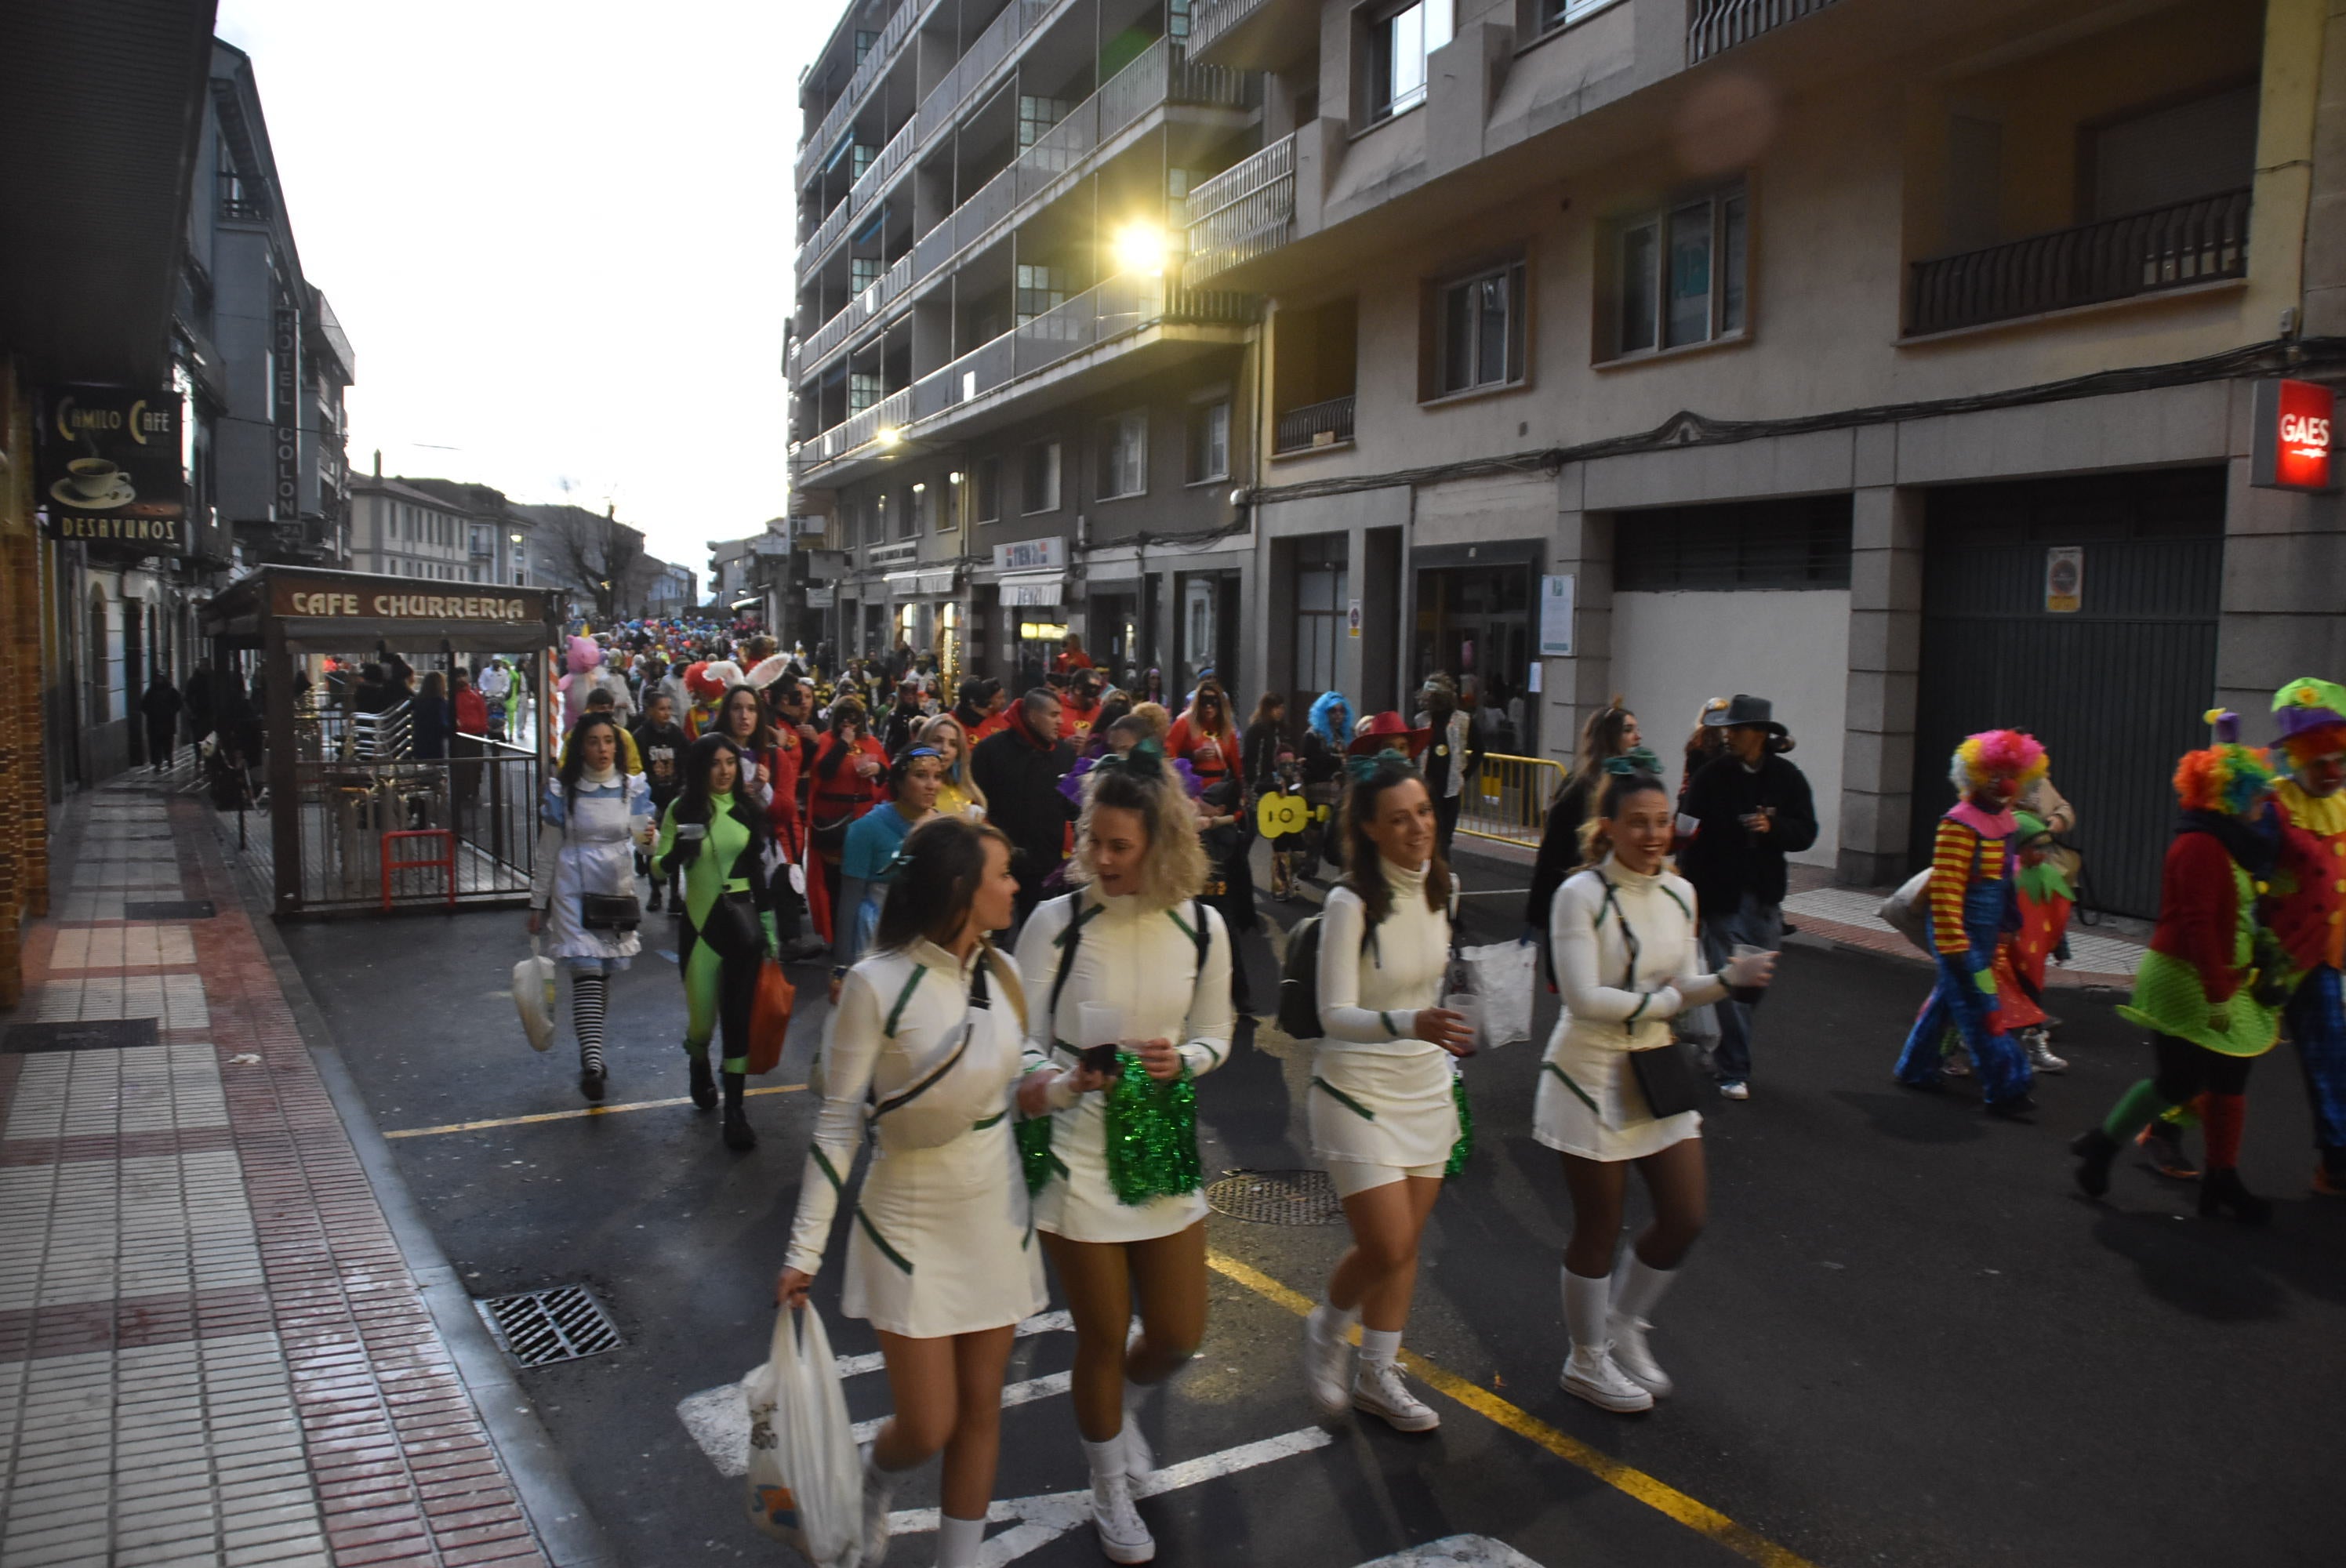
(307, 596)
(108, 469)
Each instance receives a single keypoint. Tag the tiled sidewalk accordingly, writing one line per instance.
(211, 1351)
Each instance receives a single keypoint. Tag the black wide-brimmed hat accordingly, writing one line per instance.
(1744, 710)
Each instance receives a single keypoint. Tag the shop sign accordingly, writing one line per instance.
(108, 468)
(821, 599)
(1045, 555)
(1556, 616)
(2064, 579)
(285, 412)
(301, 598)
(2292, 424)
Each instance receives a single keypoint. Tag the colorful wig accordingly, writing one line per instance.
(2228, 779)
(2008, 757)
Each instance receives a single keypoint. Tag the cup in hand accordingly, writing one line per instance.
(1469, 1008)
(691, 831)
(1743, 959)
(1098, 1024)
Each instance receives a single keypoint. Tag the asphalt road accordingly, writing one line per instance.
(1904, 1339)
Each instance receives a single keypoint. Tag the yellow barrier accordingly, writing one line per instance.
(1507, 798)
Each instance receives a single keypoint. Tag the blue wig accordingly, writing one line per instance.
(1325, 721)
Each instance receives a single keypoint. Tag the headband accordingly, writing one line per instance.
(1363, 769)
(1637, 760)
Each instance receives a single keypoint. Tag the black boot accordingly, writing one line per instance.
(704, 1082)
(738, 1134)
(2095, 1150)
(591, 1081)
(653, 903)
(2221, 1189)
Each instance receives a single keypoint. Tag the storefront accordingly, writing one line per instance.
(1476, 622)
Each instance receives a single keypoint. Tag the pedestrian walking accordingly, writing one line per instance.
(716, 838)
(1453, 754)
(1266, 737)
(1751, 807)
(1205, 737)
(867, 862)
(1125, 1231)
(468, 743)
(2212, 982)
(1973, 908)
(2307, 907)
(1019, 769)
(431, 720)
(923, 1049)
(582, 881)
(159, 705)
(661, 742)
(845, 780)
(496, 690)
(957, 792)
(1383, 1102)
(1609, 732)
(904, 719)
(1612, 1091)
(198, 697)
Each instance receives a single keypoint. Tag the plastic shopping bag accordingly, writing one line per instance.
(806, 1481)
(1907, 911)
(533, 994)
(1500, 977)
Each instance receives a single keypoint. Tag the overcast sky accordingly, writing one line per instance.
(558, 235)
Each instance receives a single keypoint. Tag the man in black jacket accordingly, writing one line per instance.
(1019, 769)
(1751, 808)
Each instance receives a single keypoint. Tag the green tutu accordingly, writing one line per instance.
(2169, 998)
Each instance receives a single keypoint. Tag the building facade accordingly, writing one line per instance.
(434, 530)
(1680, 349)
(1010, 411)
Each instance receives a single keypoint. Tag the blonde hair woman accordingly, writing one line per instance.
(959, 793)
(1125, 1229)
(1157, 716)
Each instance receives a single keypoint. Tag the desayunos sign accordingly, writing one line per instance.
(2294, 424)
(108, 468)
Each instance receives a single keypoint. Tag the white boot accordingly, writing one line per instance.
(1636, 1286)
(1589, 1372)
(1122, 1534)
(879, 1497)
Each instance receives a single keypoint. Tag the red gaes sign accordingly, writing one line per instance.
(2295, 424)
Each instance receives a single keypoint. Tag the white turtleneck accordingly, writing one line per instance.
(1627, 994)
(1372, 986)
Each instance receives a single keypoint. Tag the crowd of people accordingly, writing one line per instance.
(1033, 1105)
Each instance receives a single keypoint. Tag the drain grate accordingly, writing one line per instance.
(539, 1328)
(1277, 1197)
(85, 1034)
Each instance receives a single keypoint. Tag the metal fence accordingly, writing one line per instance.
(1314, 424)
(1716, 24)
(1506, 798)
(344, 807)
(1244, 211)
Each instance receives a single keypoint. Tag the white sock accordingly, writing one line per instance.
(1378, 1347)
(1106, 1459)
(958, 1541)
(1330, 1321)
(1637, 1287)
(1586, 1302)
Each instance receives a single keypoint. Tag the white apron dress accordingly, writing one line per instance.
(1588, 1103)
(1145, 962)
(586, 845)
(941, 1242)
(1379, 1096)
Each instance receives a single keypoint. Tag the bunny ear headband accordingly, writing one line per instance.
(1637, 760)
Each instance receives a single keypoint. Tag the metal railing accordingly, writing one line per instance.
(1314, 424)
(1507, 798)
(1714, 25)
(868, 71)
(487, 801)
(893, 157)
(1245, 210)
(2117, 258)
(1213, 18)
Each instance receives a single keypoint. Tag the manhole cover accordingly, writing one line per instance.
(171, 909)
(1277, 1197)
(87, 1035)
(539, 1328)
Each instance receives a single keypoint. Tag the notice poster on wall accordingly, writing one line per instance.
(1352, 619)
(1556, 616)
(2064, 579)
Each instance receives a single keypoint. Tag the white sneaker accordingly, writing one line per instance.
(1591, 1375)
(1379, 1390)
(878, 1498)
(1123, 1536)
(2040, 1052)
(1327, 1369)
(1632, 1356)
(1734, 1089)
(1139, 1458)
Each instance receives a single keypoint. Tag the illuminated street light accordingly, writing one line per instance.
(1140, 248)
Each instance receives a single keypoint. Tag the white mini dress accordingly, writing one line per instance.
(1379, 1096)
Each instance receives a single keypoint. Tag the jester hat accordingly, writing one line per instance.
(2011, 757)
(2312, 718)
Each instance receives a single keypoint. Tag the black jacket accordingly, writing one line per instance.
(1559, 853)
(1726, 861)
(1021, 781)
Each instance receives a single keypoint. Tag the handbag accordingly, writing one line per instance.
(733, 929)
(769, 1016)
(1666, 1076)
(533, 995)
(609, 912)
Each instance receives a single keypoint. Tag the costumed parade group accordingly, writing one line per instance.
(1039, 1104)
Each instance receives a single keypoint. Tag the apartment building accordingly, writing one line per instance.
(1891, 359)
(438, 530)
(1015, 414)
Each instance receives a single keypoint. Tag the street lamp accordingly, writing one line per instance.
(1140, 248)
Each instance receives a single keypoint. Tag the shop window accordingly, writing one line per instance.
(1210, 441)
(1554, 13)
(1398, 40)
(1680, 274)
(1798, 544)
(1039, 481)
(1478, 328)
(1123, 455)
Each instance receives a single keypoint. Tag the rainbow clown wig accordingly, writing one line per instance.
(2010, 758)
(2312, 718)
(2228, 777)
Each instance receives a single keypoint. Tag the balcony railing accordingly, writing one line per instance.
(874, 66)
(1160, 75)
(1243, 211)
(1714, 25)
(892, 158)
(2119, 257)
(1314, 424)
(1212, 18)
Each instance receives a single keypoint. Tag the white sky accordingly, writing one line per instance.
(558, 233)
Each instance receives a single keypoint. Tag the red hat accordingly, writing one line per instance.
(1388, 732)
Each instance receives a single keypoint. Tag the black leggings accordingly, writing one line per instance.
(2187, 1071)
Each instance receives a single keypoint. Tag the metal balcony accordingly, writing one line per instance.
(1715, 25)
(1242, 212)
(2190, 243)
(868, 72)
(1314, 424)
(1214, 18)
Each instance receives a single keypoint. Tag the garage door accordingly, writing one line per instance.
(2114, 687)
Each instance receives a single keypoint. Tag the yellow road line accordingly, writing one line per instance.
(1627, 1479)
(573, 1115)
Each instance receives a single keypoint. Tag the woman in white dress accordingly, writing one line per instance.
(942, 1260)
(1136, 939)
(594, 817)
(1627, 962)
(1383, 1111)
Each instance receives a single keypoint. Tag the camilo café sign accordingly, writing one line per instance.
(108, 470)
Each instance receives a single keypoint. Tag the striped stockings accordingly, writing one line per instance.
(589, 996)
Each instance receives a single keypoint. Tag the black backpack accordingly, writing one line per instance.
(1299, 979)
